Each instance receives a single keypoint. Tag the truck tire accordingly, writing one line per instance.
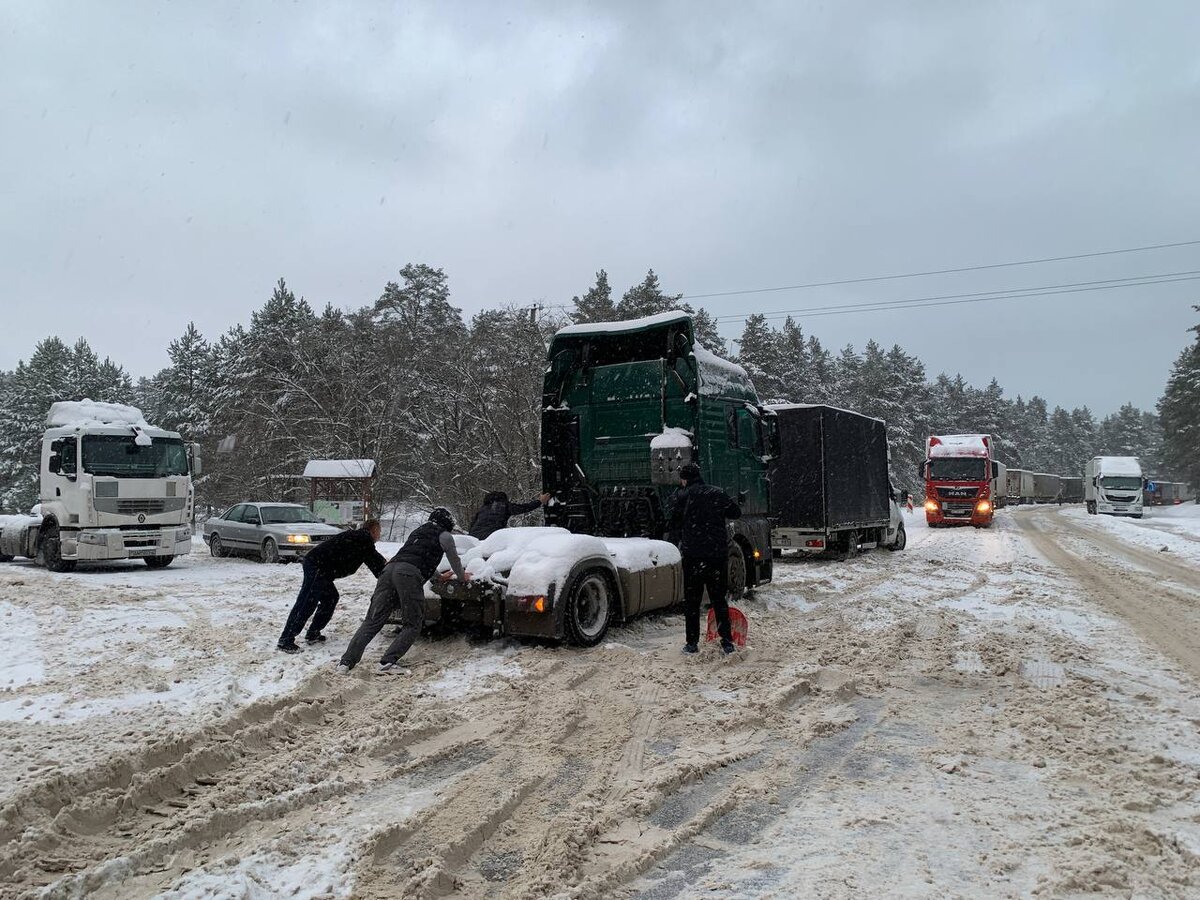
(1091, 507)
(737, 573)
(215, 547)
(270, 551)
(51, 547)
(589, 608)
(159, 562)
(849, 546)
(901, 539)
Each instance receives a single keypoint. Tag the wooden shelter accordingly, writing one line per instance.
(340, 489)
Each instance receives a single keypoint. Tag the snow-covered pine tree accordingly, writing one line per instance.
(596, 303)
(1179, 413)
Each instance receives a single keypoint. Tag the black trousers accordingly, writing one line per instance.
(702, 573)
(317, 593)
(402, 587)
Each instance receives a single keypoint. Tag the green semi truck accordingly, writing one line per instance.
(625, 404)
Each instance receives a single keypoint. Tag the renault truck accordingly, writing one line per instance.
(959, 472)
(112, 487)
(1113, 485)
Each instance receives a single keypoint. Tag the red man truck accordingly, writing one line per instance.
(959, 473)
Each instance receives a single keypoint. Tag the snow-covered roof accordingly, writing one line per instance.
(623, 326)
(671, 438)
(92, 413)
(958, 445)
(339, 468)
(1119, 465)
(781, 407)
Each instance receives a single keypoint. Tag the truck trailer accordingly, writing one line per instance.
(959, 472)
(1072, 490)
(1046, 487)
(829, 482)
(112, 488)
(1113, 485)
(1000, 485)
(624, 406)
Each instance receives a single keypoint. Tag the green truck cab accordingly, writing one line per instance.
(624, 406)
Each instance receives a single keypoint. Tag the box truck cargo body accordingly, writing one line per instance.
(1045, 487)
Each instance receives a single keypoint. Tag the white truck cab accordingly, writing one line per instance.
(1113, 485)
(112, 487)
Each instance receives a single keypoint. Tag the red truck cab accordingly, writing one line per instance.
(959, 472)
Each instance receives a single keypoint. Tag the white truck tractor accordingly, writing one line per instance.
(112, 487)
(1112, 485)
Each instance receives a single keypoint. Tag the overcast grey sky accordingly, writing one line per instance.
(166, 162)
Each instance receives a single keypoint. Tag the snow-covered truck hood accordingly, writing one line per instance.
(528, 560)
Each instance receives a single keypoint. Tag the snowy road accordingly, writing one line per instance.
(996, 713)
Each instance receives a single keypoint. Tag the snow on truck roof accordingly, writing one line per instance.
(958, 445)
(1119, 465)
(91, 414)
(339, 468)
(676, 315)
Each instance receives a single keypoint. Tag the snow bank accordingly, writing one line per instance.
(958, 445)
(636, 554)
(91, 413)
(671, 438)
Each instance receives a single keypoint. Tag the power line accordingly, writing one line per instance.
(974, 297)
(1003, 265)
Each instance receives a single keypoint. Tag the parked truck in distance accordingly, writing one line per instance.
(112, 487)
(1018, 486)
(829, 482)
(959, 472)
(1113, 485)
(1072, 490)
(1000, 485)
(624, 406)
(1046, 487)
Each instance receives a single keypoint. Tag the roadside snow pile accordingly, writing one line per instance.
(636, 554)
(534, 558)
(91, 413)
(672, 438)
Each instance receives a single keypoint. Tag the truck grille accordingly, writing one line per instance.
(132, 506)
(958, 510)
(962, 493)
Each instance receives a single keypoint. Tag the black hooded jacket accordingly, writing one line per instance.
(697, 520)
(495, 513)
(342, 554)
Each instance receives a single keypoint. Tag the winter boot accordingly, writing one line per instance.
(690, 648)
(316, 638)
(289, 647)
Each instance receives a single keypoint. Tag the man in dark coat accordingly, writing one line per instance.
(697, 525)
(496, 510)
(402, 584)
(333, 558)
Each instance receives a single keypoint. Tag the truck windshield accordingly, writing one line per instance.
(958, 468)
(120, 457)
(286, 515)
(1121, 483)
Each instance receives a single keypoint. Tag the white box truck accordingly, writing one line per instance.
(1113, 485)
(112, 487)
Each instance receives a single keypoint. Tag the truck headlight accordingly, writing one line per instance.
(91, 538)
(299, 539)
(182, 534)
(983, 506)
(931, 506)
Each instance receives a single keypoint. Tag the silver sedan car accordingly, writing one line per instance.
(271, 532)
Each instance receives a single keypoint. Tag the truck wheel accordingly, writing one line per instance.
(737, 573)
(901, 539)
(849, 548)
(589, 609)
(270, 551)
(1091, 507)
(159, 562)
(215, 547)
(51, 546)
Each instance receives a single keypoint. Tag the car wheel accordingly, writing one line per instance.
(901, 538)
(159, 562)
(737, 574)
(215, 547)
(589, 609)
(270, 551)
(51, 546)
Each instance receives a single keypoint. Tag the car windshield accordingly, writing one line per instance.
(958, 468)
(286, 515)
(120, 456)
(1121, 483)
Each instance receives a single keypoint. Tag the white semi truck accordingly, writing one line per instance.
(1113, 485)
(112, 487)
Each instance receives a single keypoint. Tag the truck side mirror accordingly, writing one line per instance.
(995, 469)
(55, 463)
(195, 461)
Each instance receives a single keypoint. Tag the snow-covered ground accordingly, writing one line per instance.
(989, 713)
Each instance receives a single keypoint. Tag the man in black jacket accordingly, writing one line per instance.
(697, 525)
(496, 510)
(333, 558)
(402, 584)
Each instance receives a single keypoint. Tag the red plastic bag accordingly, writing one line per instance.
(737, 625)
